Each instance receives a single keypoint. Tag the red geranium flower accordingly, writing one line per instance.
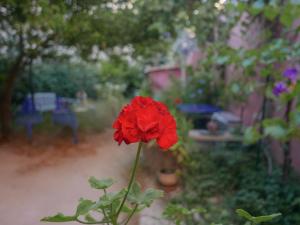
(143, 120)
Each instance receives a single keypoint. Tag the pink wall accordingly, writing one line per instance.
(251, 109)
(295, 145)
(161, 77)
(295, 154)
(253, 105)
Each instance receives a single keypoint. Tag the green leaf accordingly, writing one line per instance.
(222, 60)
(256, 219)
(178, 213)
(109, 199)
(275, 128)
(243, 213)
(84, 206)
(89, 218)
(135, 193)
(136, 188)
(115, 206)
(248, 62)
(289, 13)
(100, 184)
(146, 198)
(271, 12)
(59, 218)
(126, 209)
(150, 195)
(251, 135)
(241, 6)
(267, 218)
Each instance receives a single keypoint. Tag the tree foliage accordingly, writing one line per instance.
(32, 30)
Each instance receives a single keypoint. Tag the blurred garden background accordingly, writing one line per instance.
(228, 70)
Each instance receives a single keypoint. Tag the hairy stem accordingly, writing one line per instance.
(131, 179)
(103, 211)
(131, 214)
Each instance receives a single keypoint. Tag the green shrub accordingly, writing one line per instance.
(222, 179)
(119, 71)
(64, 79)
(100, 116)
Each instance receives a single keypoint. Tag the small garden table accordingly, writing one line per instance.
(199, 113)
(205, 136)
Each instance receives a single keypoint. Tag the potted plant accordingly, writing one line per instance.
(174, 160)
(167, 174)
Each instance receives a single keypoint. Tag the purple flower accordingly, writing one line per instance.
(291, 74)
(279, 88)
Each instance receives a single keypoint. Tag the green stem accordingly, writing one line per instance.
(114, 221)
(131, 214)
(105, 216)
(103, 211)
(131, 178)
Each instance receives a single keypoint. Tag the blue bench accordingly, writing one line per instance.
(32, 108)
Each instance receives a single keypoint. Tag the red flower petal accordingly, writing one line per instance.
(143, 120)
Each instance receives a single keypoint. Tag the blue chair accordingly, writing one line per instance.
(28, 116)
(64, 116)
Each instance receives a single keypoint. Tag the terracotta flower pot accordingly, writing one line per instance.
(168, 177)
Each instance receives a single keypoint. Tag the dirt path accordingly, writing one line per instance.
(50, 175)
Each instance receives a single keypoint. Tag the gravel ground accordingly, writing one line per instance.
(50, 175)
